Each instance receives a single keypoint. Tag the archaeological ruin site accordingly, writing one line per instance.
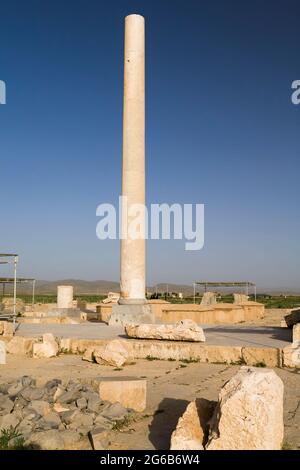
(217, 368)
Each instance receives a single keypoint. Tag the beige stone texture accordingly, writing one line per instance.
(208, 299)
(157, 306)
(115, 353)
(131, 393)
(249, 414)
(269, 357)
(104, 312)
(48, 348)
(184, 330)
(64, 296)
(192, 428)
(21, 345)
(8, 328)
(296, 332)
(291, 355)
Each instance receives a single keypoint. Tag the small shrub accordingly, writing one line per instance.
(7, 435)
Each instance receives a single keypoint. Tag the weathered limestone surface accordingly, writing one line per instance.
(8, 328)
(249, 414)
(269, 357)
(291, 355)
(184, 330)
(64, 297)
(209, 298)
(292, 318)
(131, 393)
(20, 345)
(116, 353)
(48, 348)
(2, 352)
(240, 298)
(192, 429)
(296, 332)
(131, 313)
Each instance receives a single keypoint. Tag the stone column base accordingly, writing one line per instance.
(131, 313)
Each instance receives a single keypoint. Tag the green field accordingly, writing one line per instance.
(270, 301)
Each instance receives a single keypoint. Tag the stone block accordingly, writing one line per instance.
(269, 357)
(249, 414)
(192, 428)
(130, 392)
(99, 438)
(116, 353)
(184, 330)
(130, 313)
(291, 355)
(21, 345)
(48, 348)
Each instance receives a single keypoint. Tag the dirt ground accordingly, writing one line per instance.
(171, 385)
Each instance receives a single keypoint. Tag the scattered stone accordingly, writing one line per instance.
(249, 414)
(94, 402)
(59, 408)
(26, 381)
(81, 403)
(99, 438)
(6, 405)
(53, 417)
(293, 318)
(2, 352)
(115, 353)
(41, 407)
(131, 393)
(60, 390)
(291, 355)
(82, 420)
(191, 432)
(70, 438)
(103, 422)
(31, 393)
(184, 330)
(15, 389)
(46, 440)
(69, 396)
(9, 420)
(48, 348)
(115, 412)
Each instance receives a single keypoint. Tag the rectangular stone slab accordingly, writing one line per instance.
(130, 392)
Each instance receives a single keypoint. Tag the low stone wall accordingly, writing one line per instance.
(218, 314)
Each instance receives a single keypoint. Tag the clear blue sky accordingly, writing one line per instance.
(221, 130)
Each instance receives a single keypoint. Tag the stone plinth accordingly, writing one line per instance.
(131, 313)
(64, 297)
(185, 330)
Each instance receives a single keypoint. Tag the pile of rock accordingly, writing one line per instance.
(247, 416)
(57, 416)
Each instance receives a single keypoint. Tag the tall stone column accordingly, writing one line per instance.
(132, 304)
(132, 283)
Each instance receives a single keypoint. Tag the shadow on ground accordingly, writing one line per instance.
(165, 421)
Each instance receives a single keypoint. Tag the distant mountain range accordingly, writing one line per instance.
(103, 287)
